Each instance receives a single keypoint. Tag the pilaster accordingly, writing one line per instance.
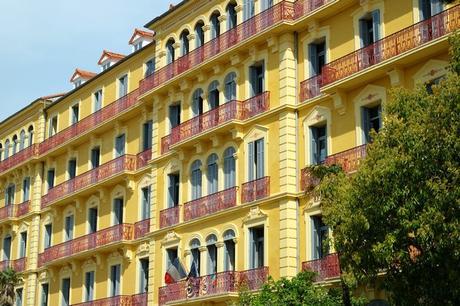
(287, 69)
(288, 238)
(288, 152)
(31, 288)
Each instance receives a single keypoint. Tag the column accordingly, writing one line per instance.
(288, 152)
(220, 256)
(32, 259)
(288, 238)
(152, 298)
(32, 292)
(203, 260)
(287, 70)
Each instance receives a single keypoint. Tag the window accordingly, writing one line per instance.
(229, 250)
(195, 256)
(372, 120)
(256, 74)
(97, 97)
(256, 247)
(15, 144)
(144, 275)
(18, 297)
(146, 191)
(50, 178)
(174, 115)
(266, 4)
(68, 230)
(123, 86)
(428, 8)
(199, 34)
(65, 292)
(318, 136)
(72, 169)
(320, 233)
(44, 297)
(197, 102)
(317, 57)
(92, 219)
(147, 135)
(231, 15)
(229, 168)
(213, 95)
(149, 67)
(138, 46)
(256, 160)
(115, 271)
(23, 245)
(7, 148)
(248, 9)
(171, 256)
(53, 126)
(118, 211)
(22, 140)
(195, 179)
(215, 25)
(105, 66)
(230, 87)
(48, 235)
(184, 42)
(212, 174)
(95, 157)
(9, 194)
(120, 145)
(212, 254)
(75, 113)
(89, 286)
(173, 190)
(170, 52)
(26, 189)
(369, 28)
(31, 135)
(7, 248)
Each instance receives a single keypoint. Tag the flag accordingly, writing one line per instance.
(175, 272)
(193, 270)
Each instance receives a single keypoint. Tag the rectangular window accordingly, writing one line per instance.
(256, 247)
(147, 135)
(115, 280)
(123, 86)
(48, 235)
(173, 190)
(149, 67)
(146, 191)
(317, 57)
(92, 219)
(95, 157)
(69, 223)
(266, 4)
(26, 189)
(229, 263)
(256, 74)
(369, 28)
(9, 195)
(144, 275)
(53, 126)
(171, 255)
(19, 297)
(44, 297)
(174, 115)
(429, 8)
(248, 9)
(72, 169)
(120, 145)
(7, 248)
(50, 178)
(196, 259)
(118, 211)
(23, 245)
(320, 233)
(89, 286)
(372, 120)
(212, 259)
(318, 137)
(75, 115)
(65, 292)
(256, 160)
(97, 96)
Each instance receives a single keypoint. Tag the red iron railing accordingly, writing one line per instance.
(140, 299)
(169, 216)
(7, 211)
(393, 45)
(91, 121)
(255, 190)
(265, 20)
(18, 265)
(119, 300)
(219, 283)
(210, 204)
(16, 211)
(22, 209)
(143, 158)
(19, 157)
(326, 268)
(307, 180)
(117, 233)
(305, 7)
(141, 228)
(105, 171)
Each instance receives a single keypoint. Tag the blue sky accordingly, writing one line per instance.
(42, 42)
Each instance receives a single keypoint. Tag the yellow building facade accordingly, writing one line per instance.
(194, 148)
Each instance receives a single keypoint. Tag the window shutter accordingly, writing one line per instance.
(260, 159)
(313, 146)
(313, 59)
(366, 124)
(251, 159)
(376, 24)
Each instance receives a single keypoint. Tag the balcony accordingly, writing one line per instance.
(348, 160)
(111, 235)
(210, 204)
(18, 265)
(394, 45)
(305, 7)
(223, 283)
(18, 158)
(15, 211)
(122, 300)
(141, 228)
(87, 179)
(143, 159)
(255, 190)
(90, 122)
(326, 268)
(233, 110)
(169, 216)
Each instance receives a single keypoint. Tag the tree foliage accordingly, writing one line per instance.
(400, 213)
(8, 280)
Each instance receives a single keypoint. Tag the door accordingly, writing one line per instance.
(65, 292)
(118, 211)
(92, 218)
(69, 223)
(115, 280)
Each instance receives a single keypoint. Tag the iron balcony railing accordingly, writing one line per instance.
(210, 204)
(15, 211)
(19, 157)
(119, 300)
(169, 216)
(255, 190)
(18, 265)
(141, 228)
(326, 268)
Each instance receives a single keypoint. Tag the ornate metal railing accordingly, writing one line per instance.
(169, 216)
(326, 267)
(305, 7)
(140, 299)
(255, 190)
(141, 228)
(219, 283)
(16, 211)
(19, 157)
(210, 204)
(18, 265)
(117, 233)
(119, 300)
(143, 158)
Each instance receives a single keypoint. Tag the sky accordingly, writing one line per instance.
(43, 41)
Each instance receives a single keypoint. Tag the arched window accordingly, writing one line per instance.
(199, 34)
(248, 9)
(231, 15)
(215, 25)
(170, 52)
(195, 257)
(185, 47)
(22, 140)
(213, 95)
(229, 168)
(212, 254)
(7, 149)
(230, 87)
(229, 250)
(31, 135)
(212, 174)
(15, 144)
(197, 102)
(195, 179)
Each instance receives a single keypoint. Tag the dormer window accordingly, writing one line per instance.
(106, 66)
(77, 83)
(108, 59)
(140, 39)
(81, 76)
(138, 46)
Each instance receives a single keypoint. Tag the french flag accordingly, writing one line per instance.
(175, 272)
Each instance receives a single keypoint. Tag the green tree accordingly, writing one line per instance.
(400, 213)
(8, 280)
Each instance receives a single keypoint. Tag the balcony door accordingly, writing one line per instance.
(89, 286)
(143, 275)
(65, 292)
(68, 230)
(92, 219)
(118, 211)
(7, 248)
(256, 247)
(115, 272)
(256, 161)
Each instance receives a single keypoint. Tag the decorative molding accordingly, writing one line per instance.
(396, 76)
(340, 102)
(255, 215)
(170, 238)
(143, 250)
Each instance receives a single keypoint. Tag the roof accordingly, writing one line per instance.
(30, 105)
(110, 55)
(83, 74)
(142, 33)
(53, 96)
(172, 8)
